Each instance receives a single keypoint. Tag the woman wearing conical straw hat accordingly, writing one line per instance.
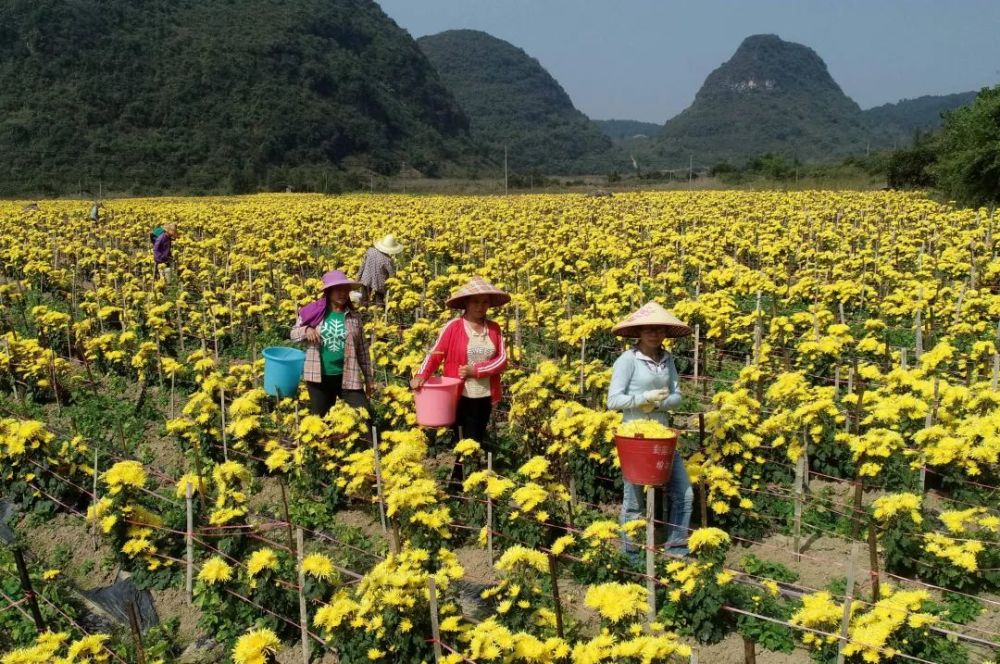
(471, 347)
(645, 385)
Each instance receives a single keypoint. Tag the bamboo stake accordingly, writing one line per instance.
(222, 414)
(97, 522)
(845, 620)
(435, 631)
(189, 540)
(651, 551)
(29, 592)
(697, 349)
(749, 652)
(489, 509)
(799, 472)
(555, 595)
(378, 480)
(303, 611)
(873, 561)
(133, 623)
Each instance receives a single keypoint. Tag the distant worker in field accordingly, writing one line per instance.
(377, 267)
(645, 385)
(95, 211)
(338, 365)
(471, 348)
(162, 251)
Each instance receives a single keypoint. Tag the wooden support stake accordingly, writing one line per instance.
(222, 413)
(489, 509)
(435, 631)
(757, 332)
(284, 506)
(189, 540)
(799, 490)
(918, 325)
(703, 492)
(29, 592)
(378, 480)
(873, 560)
(303, 612)
(557, 602)
(697, 349)
(651, 551)
(133, 623)
(845, 620)
(749, 651)
(97, 522)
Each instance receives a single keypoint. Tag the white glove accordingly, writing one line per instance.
(647, 407)
(655, 396)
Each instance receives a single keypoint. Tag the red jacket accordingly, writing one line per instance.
(451, 348)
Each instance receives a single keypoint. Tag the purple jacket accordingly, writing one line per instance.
(161, 248)
(313, 313)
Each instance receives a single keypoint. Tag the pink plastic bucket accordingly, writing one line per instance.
(436, 401)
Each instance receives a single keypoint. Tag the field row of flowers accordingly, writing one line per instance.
(846, 336)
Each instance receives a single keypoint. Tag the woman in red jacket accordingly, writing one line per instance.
(471, 348)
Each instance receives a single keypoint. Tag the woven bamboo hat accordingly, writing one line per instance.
(477, 286)
(651, 314)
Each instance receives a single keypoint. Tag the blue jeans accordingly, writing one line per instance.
(676, 510)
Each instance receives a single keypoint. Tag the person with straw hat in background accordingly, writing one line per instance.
(645, 385)
(337, 361)
(377, 267)
(471, 347)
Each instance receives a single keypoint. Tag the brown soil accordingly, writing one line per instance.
(356, 518)
(293, 655)
(730, 651)
(86, 567)
(267, 499)
(173, 603)
(166, 452)
(477, 565)
(823, 558)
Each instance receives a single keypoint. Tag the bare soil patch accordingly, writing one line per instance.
(85, 567)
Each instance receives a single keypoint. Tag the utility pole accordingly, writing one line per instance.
(690, 169)
(504, 169)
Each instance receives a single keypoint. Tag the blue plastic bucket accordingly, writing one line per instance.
(283, 370)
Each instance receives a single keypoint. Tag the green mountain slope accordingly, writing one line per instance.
(919, 114)
(147, 95)
(771, 96)
(512, 100)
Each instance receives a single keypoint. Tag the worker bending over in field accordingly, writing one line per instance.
(472, 349)
(377, 267)
(162, 251)
(337, 361)
(645, 385)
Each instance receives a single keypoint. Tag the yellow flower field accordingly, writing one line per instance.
(842, 382)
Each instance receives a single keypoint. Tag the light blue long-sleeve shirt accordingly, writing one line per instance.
(634, 375)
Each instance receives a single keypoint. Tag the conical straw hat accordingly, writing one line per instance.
(477, 286)
(651, 314)
(389, 245)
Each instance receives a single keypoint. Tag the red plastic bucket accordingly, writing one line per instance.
(435, 402)
(646, 461)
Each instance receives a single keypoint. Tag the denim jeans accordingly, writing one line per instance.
(676, 509)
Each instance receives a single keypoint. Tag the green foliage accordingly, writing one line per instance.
(913, 168)
(968, 166)
(215, 97)
(961, 609)
(767, 569)
(512, 101)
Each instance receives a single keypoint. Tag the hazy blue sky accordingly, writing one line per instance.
(646, 59)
